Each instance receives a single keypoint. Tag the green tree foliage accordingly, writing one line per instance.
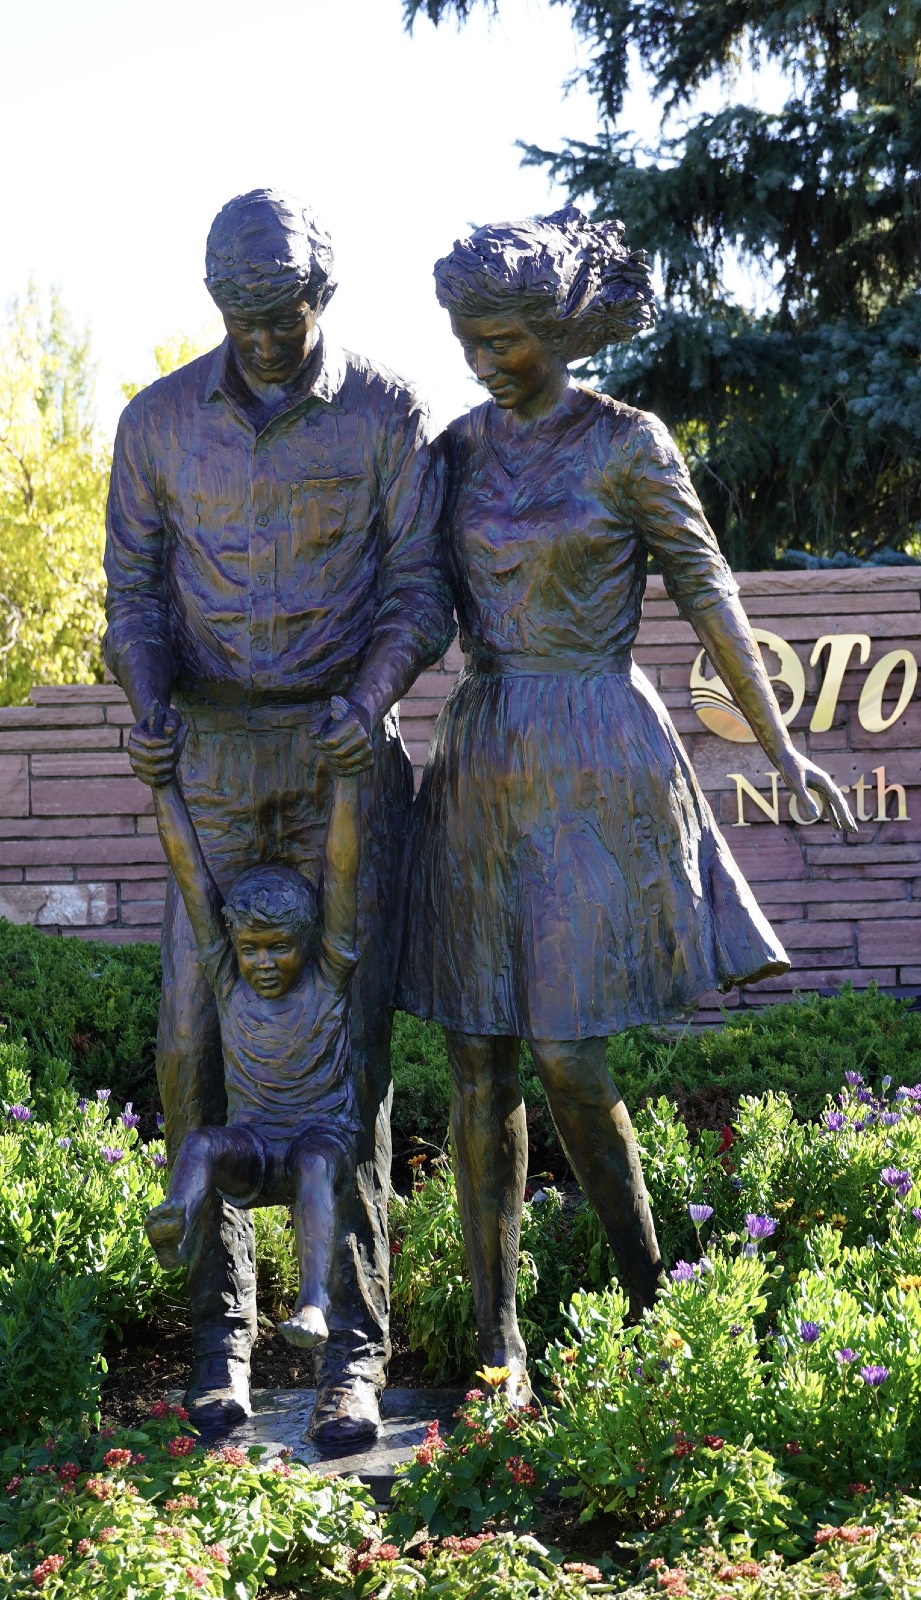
(801, 419)
(53, 471)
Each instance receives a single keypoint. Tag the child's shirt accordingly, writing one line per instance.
(287, 1062)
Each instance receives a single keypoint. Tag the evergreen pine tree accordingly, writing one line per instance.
(801, 419)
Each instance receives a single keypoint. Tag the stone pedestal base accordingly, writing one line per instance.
(281, 1417)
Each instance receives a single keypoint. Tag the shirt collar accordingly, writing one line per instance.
(222, 379)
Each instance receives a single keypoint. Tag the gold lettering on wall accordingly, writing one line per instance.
(870, 706)
(771, 807)
(840, 647)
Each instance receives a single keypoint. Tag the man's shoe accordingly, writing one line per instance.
(218, 1394)
(347, 1410)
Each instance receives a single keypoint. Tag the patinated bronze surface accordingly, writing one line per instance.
(568, 878)
(271, 542)
(279, 955)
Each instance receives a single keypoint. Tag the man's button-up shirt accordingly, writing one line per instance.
(267, 557)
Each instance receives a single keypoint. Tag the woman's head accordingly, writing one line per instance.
(570, 282)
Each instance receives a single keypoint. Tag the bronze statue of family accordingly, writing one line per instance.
(286, 552)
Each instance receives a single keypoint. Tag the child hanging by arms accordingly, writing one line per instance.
(279, 957)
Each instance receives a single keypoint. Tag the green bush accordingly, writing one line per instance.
(85, 1004)
(150, 1513)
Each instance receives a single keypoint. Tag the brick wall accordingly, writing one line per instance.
(79, 852)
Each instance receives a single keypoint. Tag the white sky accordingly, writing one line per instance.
(125, 127)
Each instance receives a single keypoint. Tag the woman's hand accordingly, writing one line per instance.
(815, 791)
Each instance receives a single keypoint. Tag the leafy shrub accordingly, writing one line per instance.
(74, 1261)
(148, 1512)
(87, 1005)
(875, 1553)
(489, 1469)
(430, 1283)
(488, 1567)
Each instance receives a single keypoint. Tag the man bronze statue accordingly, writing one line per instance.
(270, 545)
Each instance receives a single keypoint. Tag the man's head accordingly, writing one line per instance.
(273, 914)
(269, 270)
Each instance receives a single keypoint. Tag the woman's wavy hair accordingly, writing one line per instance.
(572, 281)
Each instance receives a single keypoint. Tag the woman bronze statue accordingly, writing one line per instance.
(568, 879)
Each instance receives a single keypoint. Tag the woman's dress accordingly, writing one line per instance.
(567, 877)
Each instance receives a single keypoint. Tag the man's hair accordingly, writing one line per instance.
(571, 281)
(273, 896)
(266, 249)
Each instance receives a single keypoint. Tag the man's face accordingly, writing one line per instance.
(270, 960)
(511, 361)
(272, 345)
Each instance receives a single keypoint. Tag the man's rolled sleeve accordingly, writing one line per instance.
(137, 608)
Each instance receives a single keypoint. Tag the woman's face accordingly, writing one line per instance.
(521, 371)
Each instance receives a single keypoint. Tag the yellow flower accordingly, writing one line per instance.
(494, 1376)
(783, 1205)
(675, 1340)
(911, 1280)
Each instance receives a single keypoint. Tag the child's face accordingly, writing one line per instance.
(271, 960)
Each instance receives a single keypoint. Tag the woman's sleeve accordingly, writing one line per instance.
(657, 489)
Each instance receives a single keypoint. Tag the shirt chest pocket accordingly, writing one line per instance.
(324, 511)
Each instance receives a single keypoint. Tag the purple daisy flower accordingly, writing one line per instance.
(759, 1227)
(834, 1120)
(809, 1331)
(916, 1213)
(683, 1272)
(736, 1331)
(853, 1078)
(846, 1356)
(897, 1178)
(161, 1120)
(890, 1119)
(81, 1105)
(103, 1095)
(20, 1114)
(699, 1214)
(865, 1096)
(64, 1143)
(874, 1376)
(128, 1117)
(159, 1159)
(112, 1154)
(887, 1080)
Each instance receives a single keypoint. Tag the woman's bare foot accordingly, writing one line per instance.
(307, 1328)
(167, 1229)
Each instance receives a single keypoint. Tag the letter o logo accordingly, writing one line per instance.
(715, 706)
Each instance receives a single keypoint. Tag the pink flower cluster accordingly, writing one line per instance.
(582, 1569)
(45, 1569)
(98, 1488)
(843, 1535)
(454, 1545)
(430, 1445)
(370, 1551)
(112, 1458)
(739, 1569)
(182, 1502)
(520, 1471)
(162, 1408)
(182, 1445)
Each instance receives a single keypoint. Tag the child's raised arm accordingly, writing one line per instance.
(202, 897)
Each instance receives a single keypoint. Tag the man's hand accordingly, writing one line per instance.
(345, 740)
(155, 745)
(815, 792)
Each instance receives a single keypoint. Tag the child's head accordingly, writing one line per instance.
(272, 913)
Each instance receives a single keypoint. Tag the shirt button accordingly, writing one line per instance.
(263, 454)
(262, 578)
(262, 520)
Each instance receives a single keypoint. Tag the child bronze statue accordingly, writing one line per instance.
(279, 955)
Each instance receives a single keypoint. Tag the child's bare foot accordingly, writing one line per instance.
(167, 1230)
(307, 1328)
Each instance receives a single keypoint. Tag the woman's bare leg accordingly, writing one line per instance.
(316, 1176)
(596, 1130)
(229, 1159)
(490, 1142)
